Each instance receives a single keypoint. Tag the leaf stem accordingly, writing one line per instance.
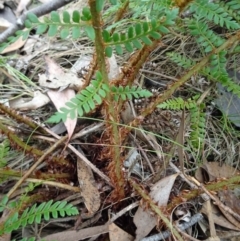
(112, 116)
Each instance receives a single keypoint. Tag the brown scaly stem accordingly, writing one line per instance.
(45, 176)
(131, 69)
(21, 119)
(175, 86)
(230, 183)
(26, 148)
(112, 116)
(156, 209)
(93, 64)
(120, 13)
(33, 167)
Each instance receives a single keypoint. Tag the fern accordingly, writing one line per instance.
(233, 9)
(178, 104)
(83, 102)
(4, 151)
(93, 95)
(181, 60)
(129, 92)
(140, 32)
(204, 36)
(132, 38)
(36, 214)
(148, 8)
(197, 125)
(197, 117)
(216, 72)
(213, 12)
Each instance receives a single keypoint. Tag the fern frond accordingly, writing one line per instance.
(149, 9)
(36, 214)
(129, 92)
(218, 61)
(178, 104)
(197, 125)
(233, 8)
(205, 37)
(66, 24)
(83, 102)
(4, 150)
(139, 33)
(223, 78)
(197, 117)
(213, 12)
(19, 34)
(181, 60)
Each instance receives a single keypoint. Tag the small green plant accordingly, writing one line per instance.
(150, 22)
(36, 213)
(4, 150)
(197, 118)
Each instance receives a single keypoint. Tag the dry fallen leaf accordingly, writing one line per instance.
(209, 171)
(117, 234)
(77, 235)
(218, 218)
(22, 6)
(88, 187)
(36, 102)
(160, 192)
(59, 98)
(14, 46)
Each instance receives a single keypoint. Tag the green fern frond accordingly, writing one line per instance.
(66, 24)
(181, 60)
(36, 214)
(4, 151)
(197, 125)
(139, 33)
(83, 102)
(213, 12)
(218, 61)
(233, 8)
(197, 117)
(178, 103)
(205, 37)
(19, 34)
(223, 78)
(149, 9)
(129, 92)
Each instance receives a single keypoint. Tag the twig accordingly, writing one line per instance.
(32, 168)
(218, 202)
(52, 183)
(195, 218)
(39, 11)
(83, 158)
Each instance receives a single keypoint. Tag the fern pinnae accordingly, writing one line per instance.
(205, 37)
(4, 151)
(197, 117)
(36, 214)
(213, 12)
(181, 60)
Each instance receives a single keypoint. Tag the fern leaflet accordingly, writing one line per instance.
(197, 117)
(4, 150)
(213, 12)
(36, 214)
(205, 37)
(83, 102)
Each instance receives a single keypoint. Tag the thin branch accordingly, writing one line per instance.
(39, 11)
